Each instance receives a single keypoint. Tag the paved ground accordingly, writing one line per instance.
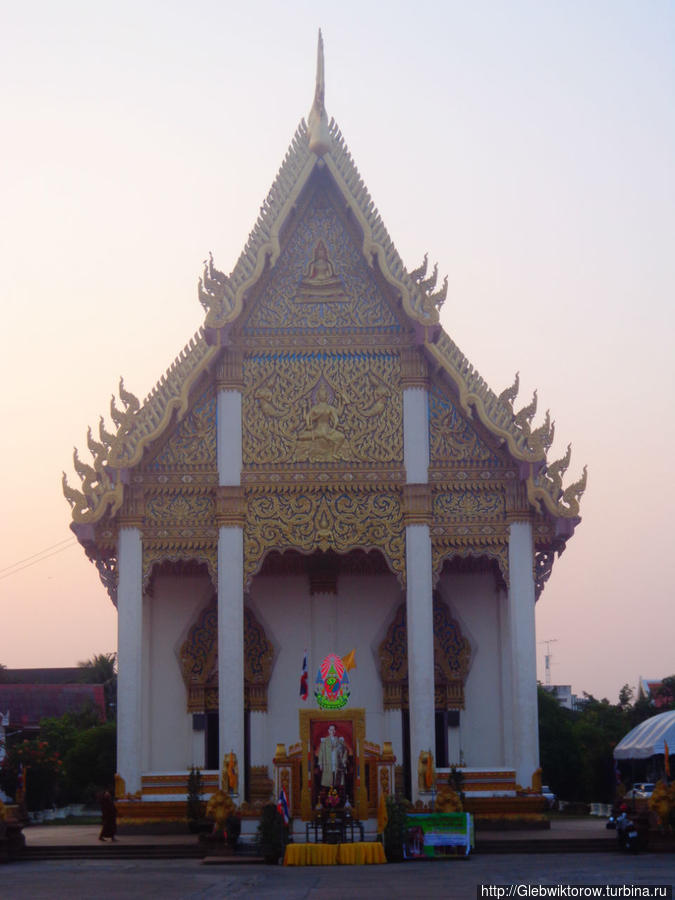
(172, 879)
(78, 835)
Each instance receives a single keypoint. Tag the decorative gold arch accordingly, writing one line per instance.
(198, 658)
(338, 520)
(490, 541)
(452, 657)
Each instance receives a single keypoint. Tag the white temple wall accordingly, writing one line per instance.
(173, 608)
(473, 602)
(357, 617)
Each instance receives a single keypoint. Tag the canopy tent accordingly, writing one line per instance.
(647, 739)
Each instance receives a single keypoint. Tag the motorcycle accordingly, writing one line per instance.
(627, 835)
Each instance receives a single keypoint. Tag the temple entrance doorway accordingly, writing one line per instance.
(212, 756)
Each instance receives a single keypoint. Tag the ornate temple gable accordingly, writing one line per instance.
(135, 428)
(198, 658)
(525, 444)
(223, 296)
(321, 284)
(313, 409)
(452, 659)
(338, 520)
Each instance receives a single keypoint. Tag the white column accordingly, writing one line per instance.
(129, 656)
(416, 435)
(231, 645)
(228, 418)
(419, 599)
(230, 589)
(505, 687)
(523, 652)
(420, 624)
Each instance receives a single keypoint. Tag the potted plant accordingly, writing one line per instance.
(195, 804)
(272, 834)
(396, 829)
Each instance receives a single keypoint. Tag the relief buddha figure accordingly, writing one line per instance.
(320, 283)
(321, 440)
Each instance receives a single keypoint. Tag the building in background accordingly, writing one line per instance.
(563, 694)
(30, 695)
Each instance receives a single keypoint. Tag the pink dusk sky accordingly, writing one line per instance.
(529, 147)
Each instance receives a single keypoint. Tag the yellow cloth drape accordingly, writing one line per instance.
(361, 854)
(358, 854)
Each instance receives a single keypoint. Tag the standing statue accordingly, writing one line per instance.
(230, 774)
(425, 770)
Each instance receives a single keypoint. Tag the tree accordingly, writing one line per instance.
(42, 768)
(597, 730)
(626, 697)
(61, 733)
(102, 669)
(558, 747)
(90, 763)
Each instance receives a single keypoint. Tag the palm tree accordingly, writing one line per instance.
(102, 669)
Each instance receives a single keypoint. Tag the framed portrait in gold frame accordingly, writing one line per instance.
(333, 756)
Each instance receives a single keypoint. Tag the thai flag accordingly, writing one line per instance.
(282, 806)
(304, 691)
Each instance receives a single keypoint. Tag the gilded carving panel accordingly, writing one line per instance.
(452, 657)
(320, 281)
(179, 509)
(193, 442)
(465, 505)
(322, 407)
(180, 550)
(198, 657)
(307, 520)
(451, 436)
(492, 546)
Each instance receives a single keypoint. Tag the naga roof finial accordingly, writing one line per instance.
(317, 122)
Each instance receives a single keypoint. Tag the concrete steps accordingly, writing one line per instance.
(117, 850)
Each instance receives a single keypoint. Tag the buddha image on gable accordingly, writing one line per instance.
(320, 440)
(320, 283)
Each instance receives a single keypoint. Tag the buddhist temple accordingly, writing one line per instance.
(323, 532)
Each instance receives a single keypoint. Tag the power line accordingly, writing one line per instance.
(67, 540)
(12, 570)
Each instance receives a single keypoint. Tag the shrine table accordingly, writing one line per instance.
(360, 853)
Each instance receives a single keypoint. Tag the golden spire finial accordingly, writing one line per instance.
(319, 136)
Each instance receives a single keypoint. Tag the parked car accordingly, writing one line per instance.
(641, 790)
